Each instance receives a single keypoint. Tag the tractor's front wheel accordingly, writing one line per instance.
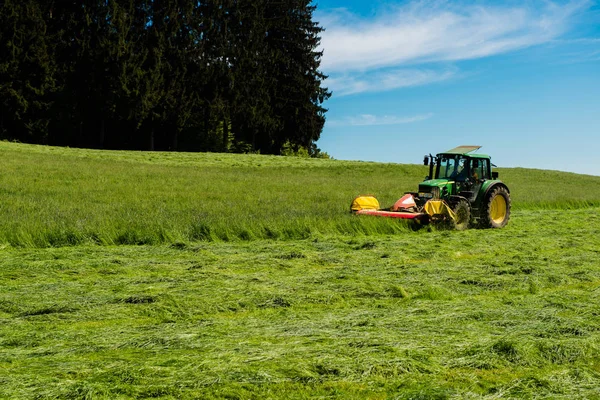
(496, 208)
(462, 209)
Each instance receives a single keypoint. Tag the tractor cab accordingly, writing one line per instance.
(461, 168)
(456, 172)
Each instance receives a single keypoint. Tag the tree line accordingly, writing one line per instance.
(194, 75)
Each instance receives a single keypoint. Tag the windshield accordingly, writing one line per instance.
(452, 167)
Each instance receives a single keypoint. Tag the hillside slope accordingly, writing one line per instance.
(60, 196)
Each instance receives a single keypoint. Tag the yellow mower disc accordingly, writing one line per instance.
(364, 202)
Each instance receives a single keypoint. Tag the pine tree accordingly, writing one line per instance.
(292, 40)
(75, 28)
(175, 42)
(251, 91)
(277, 96)
(26, 72)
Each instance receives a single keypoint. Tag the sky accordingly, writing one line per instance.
(409, 78)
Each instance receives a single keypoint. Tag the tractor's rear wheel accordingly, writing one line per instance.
(496, 208)
(462, 209)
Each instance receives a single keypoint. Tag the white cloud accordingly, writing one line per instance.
(370, 120)
(383, 80)
(384, 52)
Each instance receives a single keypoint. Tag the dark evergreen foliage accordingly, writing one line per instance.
(218, 75)
(27, 72)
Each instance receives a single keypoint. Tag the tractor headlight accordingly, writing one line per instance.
(426, 195)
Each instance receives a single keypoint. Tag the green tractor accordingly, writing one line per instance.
(461, 188)
(465, 181)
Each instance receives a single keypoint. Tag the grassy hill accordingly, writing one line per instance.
(190, 276)
(60, 196)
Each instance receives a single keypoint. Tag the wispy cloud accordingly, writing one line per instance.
(370, 120)
(381, 80)
(384, 52)
(577, 51)
(577, 41)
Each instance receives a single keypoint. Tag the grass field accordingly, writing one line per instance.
(143, 275)
(56, 196)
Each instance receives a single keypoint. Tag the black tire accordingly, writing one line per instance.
(495, 212)
(462, 209)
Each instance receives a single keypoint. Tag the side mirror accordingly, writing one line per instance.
(426, 160)
(494, 175)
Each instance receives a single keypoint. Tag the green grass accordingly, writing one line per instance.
(509, 313)
(250, 280)
(60, 196)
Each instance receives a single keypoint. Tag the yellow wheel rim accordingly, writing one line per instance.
(498, 209)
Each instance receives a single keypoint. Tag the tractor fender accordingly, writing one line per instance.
(484, 191)
(492, 185)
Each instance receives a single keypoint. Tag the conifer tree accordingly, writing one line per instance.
(177, 56)
(252, 87)
(298, 96)
(26, 72)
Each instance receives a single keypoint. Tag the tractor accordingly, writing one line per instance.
(460, 188)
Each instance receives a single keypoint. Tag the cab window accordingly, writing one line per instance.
(453, 167)
(479, 169)
(447, 167)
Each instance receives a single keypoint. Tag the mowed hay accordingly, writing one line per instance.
(440, 314)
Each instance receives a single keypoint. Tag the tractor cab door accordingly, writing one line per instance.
(478, 171)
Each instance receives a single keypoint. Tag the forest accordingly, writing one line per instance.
(174, 75)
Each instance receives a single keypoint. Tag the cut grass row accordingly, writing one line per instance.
(511, 313)
(59, 196)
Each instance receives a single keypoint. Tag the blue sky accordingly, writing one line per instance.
(520, 78)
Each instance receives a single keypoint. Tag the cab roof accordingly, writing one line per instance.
(465, 150)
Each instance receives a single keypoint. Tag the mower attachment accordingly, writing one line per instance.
(421, 218)
(405, 208)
